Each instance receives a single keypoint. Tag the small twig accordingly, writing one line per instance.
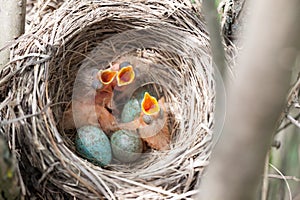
(185, 195)
(287, 124)
(294, 121)
(283, 178)
(148, 187)
(294, 178)
(265, 184)
(21, 182)
(48, 171)
(5, 122)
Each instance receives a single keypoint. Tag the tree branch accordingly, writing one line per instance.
(213, 26)
(255, 101)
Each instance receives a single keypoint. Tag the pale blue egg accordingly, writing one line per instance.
(126, 146)
(131, 110)
(92, 144)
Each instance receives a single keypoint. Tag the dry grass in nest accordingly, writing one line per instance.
(38, 83)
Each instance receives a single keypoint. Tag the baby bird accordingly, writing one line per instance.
(133, 73)
(154, 127)
(94, 105)
(117, 77)
(91, 102)
(152, 123)
(80, 113)
(126, 74)
(104, 96)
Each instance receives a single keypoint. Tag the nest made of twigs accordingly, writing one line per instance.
(37, 86)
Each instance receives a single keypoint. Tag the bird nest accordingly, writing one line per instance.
(38, 84)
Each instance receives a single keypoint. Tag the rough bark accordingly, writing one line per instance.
(255, 101)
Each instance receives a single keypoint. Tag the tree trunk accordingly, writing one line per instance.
(12, 16)
(255, 101)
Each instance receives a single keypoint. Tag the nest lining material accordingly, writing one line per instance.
(38, 85)
(37, 9)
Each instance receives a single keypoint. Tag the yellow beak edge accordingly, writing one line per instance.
(150, 105)
(107, 76)
(125, 76)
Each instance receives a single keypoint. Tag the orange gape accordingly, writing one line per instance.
(107, 76)
(150, 105)
(156, 133)
(125, 76)
(104, 96)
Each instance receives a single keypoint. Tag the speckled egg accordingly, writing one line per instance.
(126, 146)
(131, 110)
(92, 143)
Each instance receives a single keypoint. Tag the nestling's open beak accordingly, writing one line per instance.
(107, 76)
(125, 76)
(150, 105)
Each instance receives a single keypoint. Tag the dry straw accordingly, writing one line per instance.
(37, 86)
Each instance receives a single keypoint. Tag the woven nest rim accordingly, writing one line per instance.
(45, 56)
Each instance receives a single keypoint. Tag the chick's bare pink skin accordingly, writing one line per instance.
(115, 67)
